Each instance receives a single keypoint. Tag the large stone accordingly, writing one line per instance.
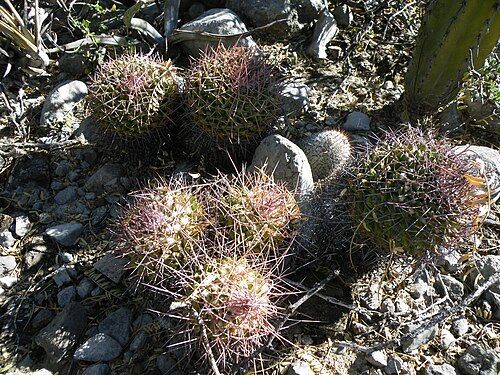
(66, 234)
(112, 267)
(66, 195)
(99, 348)
(61, 100)
(62, 334)
(263, 12)
(357, 121)
(216, 21)
(66, 295)
(294, 98)
(106, 179)
(419, 340)
(283, 159)
(478, 360)
(117, 325)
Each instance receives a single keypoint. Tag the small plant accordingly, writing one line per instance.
(413, 193)
(230, 305)
(256, 210)
(132, 95)
(327, 152)
(160, 230)
(232, 98)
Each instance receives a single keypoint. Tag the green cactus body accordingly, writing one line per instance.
(257, 211)
(455, 34)
(411, 194)
(232, 100)
(132, 95)
(160, 229)
(235, 302)
(327, 152)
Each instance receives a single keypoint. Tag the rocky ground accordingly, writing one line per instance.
(66, 304)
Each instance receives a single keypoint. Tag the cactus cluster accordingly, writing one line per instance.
(327, 152)
(131, 95)
(160, 229)
(232, 100)
(412, 194)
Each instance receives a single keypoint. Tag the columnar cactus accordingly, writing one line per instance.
(160, 230)
(132, 95)
(327, 152)
(232, 100)
(454, 35)
(412, 193)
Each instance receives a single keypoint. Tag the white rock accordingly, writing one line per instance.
(61, 100)
(377, 358)
(216, 21)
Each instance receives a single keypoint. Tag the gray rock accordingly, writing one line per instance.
(454, 287)
(88, 131)
(112, 267)
(99, 348)
(343, 15)
(41, 319)
(444, 369)
(22, 226)
(98, 215)
(300, 368)
(32, 169)
(61, 277)
(66, 257)
(479, 360)
(117, 325)
(66, 234)
(421, 339)
(138, 341)
(294, 97)
(85, 287)
(460, 326)
(166, 364)
(62, 168)
(7, 240)
(287, 162)
(216, 21)
(61, 335)
(357, 121)
(61, 100)
(448, 259)
(106, 179)
(66, 195)
(196, 10)
(66, 296)
(97, 369)
(446, 339)
(394, 366)
(7, 264)
(308, 10)
(262, 12)
(377, 358)
(8, 281)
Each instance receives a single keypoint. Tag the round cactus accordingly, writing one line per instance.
(231, 304)
(413, 194)
(327, 152)
(256, 210)
(133, 94)
(160, 230)
(232, 99)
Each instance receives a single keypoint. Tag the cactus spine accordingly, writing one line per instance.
(454, 34)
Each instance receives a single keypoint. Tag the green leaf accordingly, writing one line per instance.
(130, 13)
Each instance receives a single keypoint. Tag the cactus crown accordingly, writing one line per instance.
(412, 193)
(133, 94)
(231, 93)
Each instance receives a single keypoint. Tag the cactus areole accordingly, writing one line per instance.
(455, 35)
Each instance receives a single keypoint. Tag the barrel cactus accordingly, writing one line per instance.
(233, 101)
(327, 152)
(131, 95)
(160, 230)
(412, 193)
(230, 305)
(256, 211)
(454, 36)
